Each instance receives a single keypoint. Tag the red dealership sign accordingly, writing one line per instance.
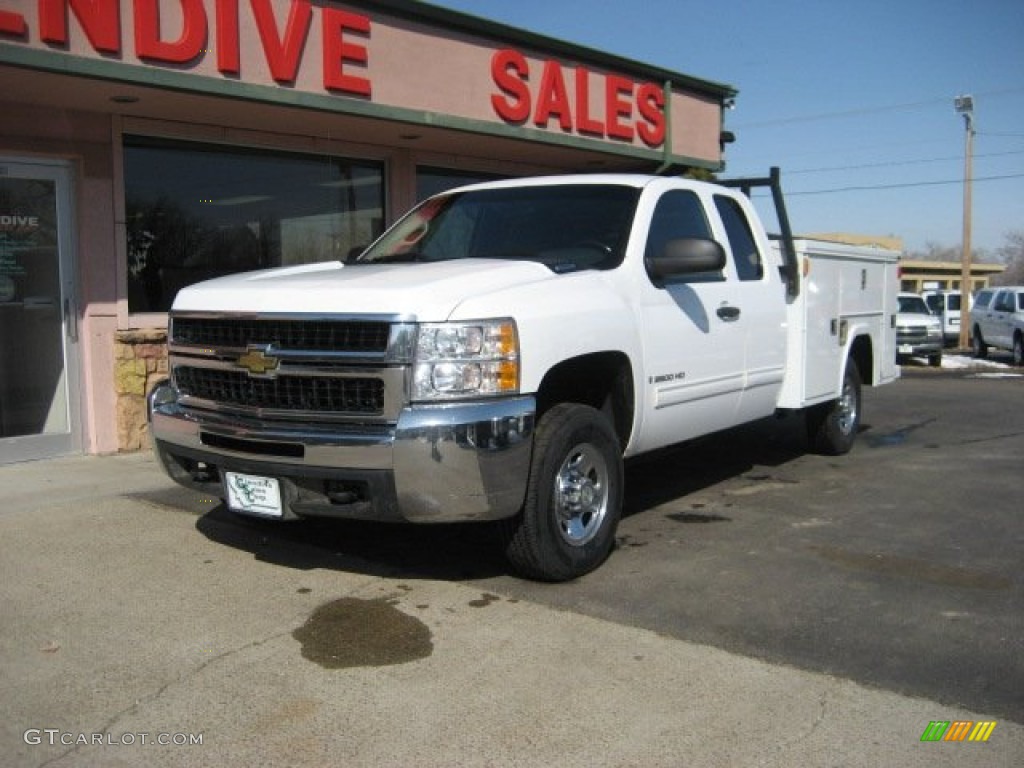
(333, 49)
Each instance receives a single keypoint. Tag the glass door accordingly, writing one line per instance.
(39, 408)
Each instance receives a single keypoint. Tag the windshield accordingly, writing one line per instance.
(565, 227)
(913, 305)
(937, 302)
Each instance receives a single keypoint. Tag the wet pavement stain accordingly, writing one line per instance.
(897, 437)
(351, 632)
(912, 568)
(626, 541)
(484, 600)
(694, 517)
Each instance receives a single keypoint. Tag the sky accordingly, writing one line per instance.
(852, 99)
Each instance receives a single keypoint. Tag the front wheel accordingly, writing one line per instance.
(832, 427)
(574, 497)
(1018, 349)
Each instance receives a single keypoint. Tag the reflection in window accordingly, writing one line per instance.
(196, 211)
(741, 240)
(567, 227)
(678, 215)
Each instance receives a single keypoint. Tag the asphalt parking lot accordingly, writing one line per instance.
(898, 566)
(763, 606)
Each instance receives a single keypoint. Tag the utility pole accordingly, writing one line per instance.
(965, 106)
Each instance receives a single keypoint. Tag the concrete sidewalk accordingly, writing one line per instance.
(125, 623)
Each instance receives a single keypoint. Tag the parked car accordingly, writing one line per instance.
(918, 330)
(946, 304)
(997, 320)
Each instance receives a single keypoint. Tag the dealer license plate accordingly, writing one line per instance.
(906, 349)
(253, 494)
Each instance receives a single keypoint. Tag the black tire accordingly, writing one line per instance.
(1018, 349)
(978, 343)
(935, 361)
(832, 427)
(573, 499)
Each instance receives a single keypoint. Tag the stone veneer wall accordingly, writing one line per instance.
(140, 361)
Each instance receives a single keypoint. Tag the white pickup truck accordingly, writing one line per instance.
(501, 349)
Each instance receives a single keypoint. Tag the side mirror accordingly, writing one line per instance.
(685, 256)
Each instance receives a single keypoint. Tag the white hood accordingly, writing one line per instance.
(427, 292)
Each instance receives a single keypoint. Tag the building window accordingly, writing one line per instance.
(433, 181)
(196, 211)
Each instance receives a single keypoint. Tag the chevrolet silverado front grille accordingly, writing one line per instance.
(357, 336)
(323, 394)
(292, 367)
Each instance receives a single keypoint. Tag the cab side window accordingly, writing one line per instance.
(745, 254)
(679, 214)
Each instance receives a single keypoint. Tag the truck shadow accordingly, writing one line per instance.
(681, 470)
(463, 552)
(449, 552)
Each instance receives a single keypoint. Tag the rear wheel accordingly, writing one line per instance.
(978, 344)
(832, 428)
(574, 497)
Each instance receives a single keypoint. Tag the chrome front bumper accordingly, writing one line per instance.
(439, 463)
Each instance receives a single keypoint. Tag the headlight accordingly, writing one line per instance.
(934, 332)
(163, 393)
(470, 359)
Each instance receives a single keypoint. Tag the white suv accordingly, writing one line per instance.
(918, 331)
(997, 320)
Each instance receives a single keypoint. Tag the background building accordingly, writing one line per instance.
(917, 275)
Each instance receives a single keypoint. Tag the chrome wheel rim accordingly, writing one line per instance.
(847, 417)
(581, 494)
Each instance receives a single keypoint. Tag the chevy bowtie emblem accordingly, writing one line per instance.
(257, 362)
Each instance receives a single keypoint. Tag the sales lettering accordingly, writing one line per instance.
(630, 109)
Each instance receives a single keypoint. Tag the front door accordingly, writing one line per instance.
(39, 407)
(694, 334)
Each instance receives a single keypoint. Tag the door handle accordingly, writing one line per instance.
(727, 313)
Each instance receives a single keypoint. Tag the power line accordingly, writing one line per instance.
(867, 188)
(840, 115)
(896, 163)
(869, 110)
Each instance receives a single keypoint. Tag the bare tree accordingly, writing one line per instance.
(935, 252)
(1012, 254)
(949, 253)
